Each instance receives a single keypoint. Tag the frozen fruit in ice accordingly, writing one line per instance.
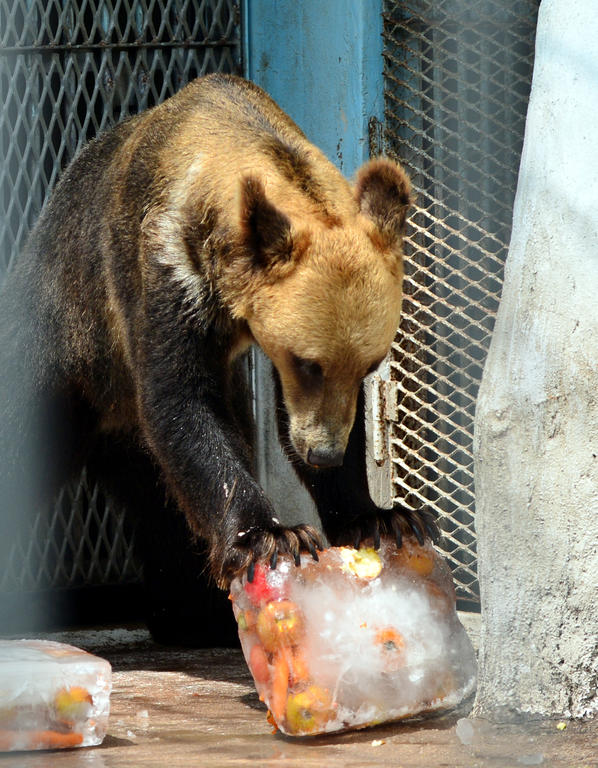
(270, 719)
(260, 590)
(52, 695)
(309, 710)
(280, 686)
(279, 623)
(359, 638)
(416, 558)
(445, 685)
(442, 600)
(42, 739)
(298, 669)
(392, 646)
(246, 621)
(8, 716)
(72, 704)
(258, 663)
(313, 571)
(365, 563)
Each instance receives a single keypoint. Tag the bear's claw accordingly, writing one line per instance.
(267, 544)
(394, 523)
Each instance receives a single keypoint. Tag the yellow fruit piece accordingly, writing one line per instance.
(72, 703)
(365, 563)
(279, 625)
(418, 559)
(309, 710)
(246, 621)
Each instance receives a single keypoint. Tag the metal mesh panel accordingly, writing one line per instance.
(80, 541)
(457, 78)
(68, 70)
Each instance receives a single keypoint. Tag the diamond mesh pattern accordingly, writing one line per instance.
(41, 23)
(457, 78)
(68, 70)
(80, 541)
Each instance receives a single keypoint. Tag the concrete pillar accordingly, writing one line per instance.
(536, 432)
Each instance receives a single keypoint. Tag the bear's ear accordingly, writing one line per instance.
(383, 193)
(264, 229)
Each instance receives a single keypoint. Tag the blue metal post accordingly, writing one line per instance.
(322, 63)
(321, 60)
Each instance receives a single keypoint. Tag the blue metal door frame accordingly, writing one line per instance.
(322, 63)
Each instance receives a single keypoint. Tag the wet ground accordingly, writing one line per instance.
(186, 708)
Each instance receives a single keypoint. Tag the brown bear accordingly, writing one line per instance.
(171, 244)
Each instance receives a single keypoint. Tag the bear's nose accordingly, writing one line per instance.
(325, 458)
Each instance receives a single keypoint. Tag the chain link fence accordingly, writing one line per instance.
(68, 70)
(457, 76)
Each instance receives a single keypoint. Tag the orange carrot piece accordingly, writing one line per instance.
(280, 685)
(270, 719)
(6, 739)
(299, 671)
(39, 739)
(258, 664)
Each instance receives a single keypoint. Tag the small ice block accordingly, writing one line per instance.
(52, 695)
(359, 638)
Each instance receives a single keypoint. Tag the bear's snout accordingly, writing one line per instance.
(324, 458)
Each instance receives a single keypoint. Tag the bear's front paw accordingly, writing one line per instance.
(266, 544)
(395, 522)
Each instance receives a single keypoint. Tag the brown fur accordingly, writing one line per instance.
(170, 245)
(290, 212)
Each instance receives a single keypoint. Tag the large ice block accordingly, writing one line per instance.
(359, 638)
(52, 695)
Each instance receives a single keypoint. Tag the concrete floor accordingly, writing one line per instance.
(199, 708)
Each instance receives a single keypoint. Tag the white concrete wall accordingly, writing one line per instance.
(536, 441)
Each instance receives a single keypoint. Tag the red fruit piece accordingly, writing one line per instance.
(258, 590)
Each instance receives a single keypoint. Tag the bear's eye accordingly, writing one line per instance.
(308, 370)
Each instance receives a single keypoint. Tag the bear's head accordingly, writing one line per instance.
(323, 301)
